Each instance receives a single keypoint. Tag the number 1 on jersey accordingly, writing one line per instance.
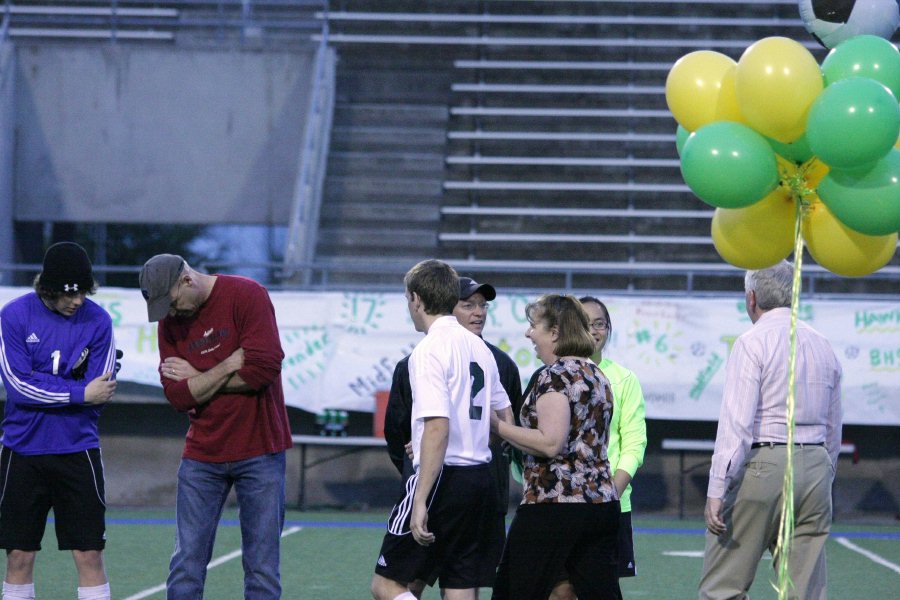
(477, 375)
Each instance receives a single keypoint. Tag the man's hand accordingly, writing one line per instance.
(409, 450)
(176, 369)
(204, 385)
(418, 523)
(714, 522)
(235, 362)
(100, 390)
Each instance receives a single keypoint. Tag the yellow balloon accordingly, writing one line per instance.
(758, 236)
(727, 107)
(842, 250)
(693, 87)
(777, 82)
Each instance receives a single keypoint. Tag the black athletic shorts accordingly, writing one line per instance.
(627, 566)
(70, 484)
(462, 515)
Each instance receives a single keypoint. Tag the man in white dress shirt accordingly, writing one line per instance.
(437, 531)
(747, 474)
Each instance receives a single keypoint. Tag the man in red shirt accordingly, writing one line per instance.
(220, 362)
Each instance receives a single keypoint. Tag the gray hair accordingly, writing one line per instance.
(772, 286)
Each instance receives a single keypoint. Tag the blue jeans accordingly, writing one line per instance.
(202, 490)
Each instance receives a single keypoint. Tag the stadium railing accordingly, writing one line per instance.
(140, 20)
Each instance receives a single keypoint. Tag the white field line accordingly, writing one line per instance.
(697, 554)
(840, 540)
(213, 564)
(870, 555)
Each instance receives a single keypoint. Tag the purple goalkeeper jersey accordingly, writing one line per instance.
(45, 409)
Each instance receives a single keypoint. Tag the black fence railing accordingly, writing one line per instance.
(696, 279)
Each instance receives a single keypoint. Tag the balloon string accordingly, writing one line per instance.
(786, 526)
(794, 179)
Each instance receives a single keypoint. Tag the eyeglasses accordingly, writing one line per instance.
(174, 304)
(474, 305)
(599, 325)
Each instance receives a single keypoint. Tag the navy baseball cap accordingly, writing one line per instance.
(468, 286)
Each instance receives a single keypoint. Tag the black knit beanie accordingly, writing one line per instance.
(66, 269)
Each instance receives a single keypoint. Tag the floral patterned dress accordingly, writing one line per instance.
(581, 473)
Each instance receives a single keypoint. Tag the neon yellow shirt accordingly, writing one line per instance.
(627, 429)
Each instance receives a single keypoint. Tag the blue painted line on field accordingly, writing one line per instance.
(669, 531)
(874, 535)
(236, 523)
(144, 521)
(339, 524)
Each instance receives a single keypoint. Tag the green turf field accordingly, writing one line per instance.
(328, 555)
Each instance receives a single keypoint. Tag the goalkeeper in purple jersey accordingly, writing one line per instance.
(58, 363)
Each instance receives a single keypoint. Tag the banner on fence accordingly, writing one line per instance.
(341, 348)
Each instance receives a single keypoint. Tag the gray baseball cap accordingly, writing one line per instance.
(157, 277)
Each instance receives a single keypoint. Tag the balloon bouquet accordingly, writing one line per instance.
(788, 151)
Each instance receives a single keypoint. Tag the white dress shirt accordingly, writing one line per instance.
(754, 403)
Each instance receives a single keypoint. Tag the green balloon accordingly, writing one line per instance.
(853, 123)
(728, 165)
(681, 136)
(866, 201)
(864, 56)
(797, 151)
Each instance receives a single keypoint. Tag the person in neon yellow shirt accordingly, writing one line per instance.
(627, 437)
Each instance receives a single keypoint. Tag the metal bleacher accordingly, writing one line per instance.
(189, 22)
(563, 148)
(560, 149)
(528, 139)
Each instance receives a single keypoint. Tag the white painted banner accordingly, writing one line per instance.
(341, 348)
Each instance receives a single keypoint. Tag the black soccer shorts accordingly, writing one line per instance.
(461, 513)
(71, 484)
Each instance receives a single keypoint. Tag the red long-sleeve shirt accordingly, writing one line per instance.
(231, 426)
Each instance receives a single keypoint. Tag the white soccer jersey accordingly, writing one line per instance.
(454, 375)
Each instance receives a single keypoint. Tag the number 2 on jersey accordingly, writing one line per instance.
(477, 375)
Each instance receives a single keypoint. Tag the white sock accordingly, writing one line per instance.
(406, 596)
(12, 591)
(98, 592)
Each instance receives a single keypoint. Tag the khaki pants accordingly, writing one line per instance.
(752, 511)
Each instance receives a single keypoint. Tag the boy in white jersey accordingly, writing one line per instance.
(436, 531)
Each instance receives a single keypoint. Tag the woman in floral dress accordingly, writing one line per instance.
(568, 520)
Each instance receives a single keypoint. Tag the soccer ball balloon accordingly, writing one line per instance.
(833, 21)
